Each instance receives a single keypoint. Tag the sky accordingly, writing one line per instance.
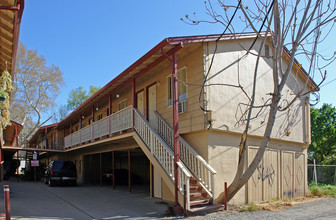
(93, 43)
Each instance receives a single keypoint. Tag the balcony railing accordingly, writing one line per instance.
(108, 126)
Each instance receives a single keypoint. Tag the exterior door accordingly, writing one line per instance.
(140, 102)
(152, 104)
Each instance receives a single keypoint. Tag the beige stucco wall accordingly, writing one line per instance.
(231, 63)
(223, 157)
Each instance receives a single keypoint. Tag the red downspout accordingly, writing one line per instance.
(175, 126)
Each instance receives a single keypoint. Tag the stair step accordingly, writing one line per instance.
(199, 202)
(196, 187)
(192, 181)
(197, 194)
(206, 208)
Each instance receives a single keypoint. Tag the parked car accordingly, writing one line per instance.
(61, 172)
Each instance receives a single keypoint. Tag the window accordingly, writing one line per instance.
(122, 104)
(100, 117)
(182, 89)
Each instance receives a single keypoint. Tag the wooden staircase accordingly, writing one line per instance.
(194, 173)
(200, 200)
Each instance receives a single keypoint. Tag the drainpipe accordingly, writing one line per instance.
(175, 126)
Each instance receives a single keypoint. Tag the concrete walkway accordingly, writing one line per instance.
(31, 200)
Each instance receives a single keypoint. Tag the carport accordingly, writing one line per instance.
(121, 167)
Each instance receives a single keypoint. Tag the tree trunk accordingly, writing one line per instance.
(242, 177)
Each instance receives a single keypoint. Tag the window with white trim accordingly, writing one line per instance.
(182, 88)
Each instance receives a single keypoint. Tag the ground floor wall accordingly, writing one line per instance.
(281, 173)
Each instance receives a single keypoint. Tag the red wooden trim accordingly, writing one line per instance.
(133, 99)
(18, 17)
(10, 8)
(110, 112)
(125, 72)
(175, 125)
(129, 171)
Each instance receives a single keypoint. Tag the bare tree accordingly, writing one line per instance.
(289, 28)
(35, 87)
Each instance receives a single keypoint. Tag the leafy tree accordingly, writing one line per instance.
(300, 26)
(78, 95)
(323, 138)
(60, 113)
(35, 87)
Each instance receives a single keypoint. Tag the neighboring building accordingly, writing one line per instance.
(10, 21)
(128, 124)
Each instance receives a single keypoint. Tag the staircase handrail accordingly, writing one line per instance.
(185, 175)
(208, 188)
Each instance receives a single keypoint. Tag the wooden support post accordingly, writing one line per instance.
(175, 126)
(109, 113)
(100, 170)
(152, 179)
(133, 100)
(225, 195)
(91, 168)
(113, 176)
(17, 166)
(129, 170)
(92, 128)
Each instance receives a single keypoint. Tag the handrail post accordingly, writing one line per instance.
(213, 187)
(185, 199)
(225, 195)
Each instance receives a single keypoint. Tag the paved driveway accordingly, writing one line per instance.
(31, 200)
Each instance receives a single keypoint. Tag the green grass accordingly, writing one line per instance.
(252, 207)
(323, 190)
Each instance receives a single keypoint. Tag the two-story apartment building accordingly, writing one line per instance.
(132, 123)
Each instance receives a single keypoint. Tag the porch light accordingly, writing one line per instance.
(82, 116)
(117, 96)
(97, 109)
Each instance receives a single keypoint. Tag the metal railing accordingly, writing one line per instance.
(203, 172)
(162, 153)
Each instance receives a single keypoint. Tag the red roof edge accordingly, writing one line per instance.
(13, 122)
(302, 70)
(129, 69)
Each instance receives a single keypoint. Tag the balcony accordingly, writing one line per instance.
(111, 125)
